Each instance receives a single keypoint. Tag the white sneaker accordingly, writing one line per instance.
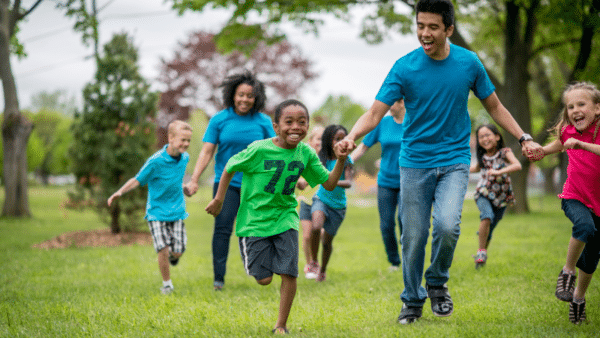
(165, 290)
(312, 272)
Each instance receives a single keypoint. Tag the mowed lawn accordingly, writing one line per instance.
(114, 292)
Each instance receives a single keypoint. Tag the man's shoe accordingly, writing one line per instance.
(441, 302)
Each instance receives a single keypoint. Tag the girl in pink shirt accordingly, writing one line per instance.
(577, 133)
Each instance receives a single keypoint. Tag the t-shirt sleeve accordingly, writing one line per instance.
(242, 161)
(315, 173)
(144, 175)
(372, 137)
(483, 87)
(391, 89)
(211, 135)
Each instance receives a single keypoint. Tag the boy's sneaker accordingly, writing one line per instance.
(410, 314)
(166, 290)
(311, 270)
(441, 302)
(173, 260)
(577, 312)
(218, 286)
(565, 286)
(480, 258)
(280, 330)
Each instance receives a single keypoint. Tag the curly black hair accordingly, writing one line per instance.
(287, 103)
(445, 8)
(231, 83)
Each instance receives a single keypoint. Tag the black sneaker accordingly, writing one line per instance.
(410, 314)
(565, 286)
(172, 260)
(577, 312)
(441, 302)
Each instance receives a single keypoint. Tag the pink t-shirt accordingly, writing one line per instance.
(583, 172)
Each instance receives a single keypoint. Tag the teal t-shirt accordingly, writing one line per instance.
(389, 134)
(437, 127)
(267, 200)
(336, 198)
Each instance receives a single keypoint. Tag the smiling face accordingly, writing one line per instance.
(292, 127)
(432, 35)
(179, 141)
(243, 99)
(487, 139)
(581, 109)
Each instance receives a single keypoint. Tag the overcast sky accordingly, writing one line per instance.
(57, 59)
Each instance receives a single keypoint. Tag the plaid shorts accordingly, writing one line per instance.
(170, 234)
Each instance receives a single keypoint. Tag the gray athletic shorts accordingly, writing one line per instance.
(305, 214)
(264, 256)
(333, 217)
(170, 234)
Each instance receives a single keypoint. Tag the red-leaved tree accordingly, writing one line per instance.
(193, 76)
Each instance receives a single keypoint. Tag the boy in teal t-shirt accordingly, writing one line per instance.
(267, 220)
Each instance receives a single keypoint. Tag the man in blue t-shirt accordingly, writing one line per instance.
(434, 81)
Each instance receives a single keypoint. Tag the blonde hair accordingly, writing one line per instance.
(564, 117)
(317, 130)
(176, 126)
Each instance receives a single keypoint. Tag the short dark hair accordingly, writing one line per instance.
(287, 103)
(445, 8)
(231, 83)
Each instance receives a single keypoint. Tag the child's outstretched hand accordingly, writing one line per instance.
(214, 207)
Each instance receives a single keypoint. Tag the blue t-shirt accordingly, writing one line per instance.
(436, 125)
(335, 199)
(232, 133)
(164, 176)
(389, 134)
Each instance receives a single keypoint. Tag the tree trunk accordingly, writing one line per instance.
(15, 133)
(515, 97)
(115, 211)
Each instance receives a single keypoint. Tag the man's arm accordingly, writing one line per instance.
(367, 122)
(503, 117)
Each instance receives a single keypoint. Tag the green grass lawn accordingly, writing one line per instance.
(114, 292)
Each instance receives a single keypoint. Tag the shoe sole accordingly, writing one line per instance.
(310, 275)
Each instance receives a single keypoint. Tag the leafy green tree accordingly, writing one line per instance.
(114, 134)
(529, 47)
(16, 129)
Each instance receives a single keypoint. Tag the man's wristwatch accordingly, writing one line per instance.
(525, 137)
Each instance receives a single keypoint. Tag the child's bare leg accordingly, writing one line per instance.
(318, 219)
(484, 232)
(287, 293)
(583, 282)
(327, 250)
(306, 244)
(163, 263)
(575, 249)
(265, 281)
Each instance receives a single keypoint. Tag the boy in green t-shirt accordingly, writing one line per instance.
(267, 220)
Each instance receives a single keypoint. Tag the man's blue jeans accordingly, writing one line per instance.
(388, 201)
(442, 189)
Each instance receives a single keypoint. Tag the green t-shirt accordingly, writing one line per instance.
(267, 201)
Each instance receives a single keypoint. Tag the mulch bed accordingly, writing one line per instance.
(95, 238)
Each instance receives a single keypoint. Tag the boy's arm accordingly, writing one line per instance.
(206, 154)
(503, 117)
(214, 207)
(576, 144)
(334, 176)
(129, 185)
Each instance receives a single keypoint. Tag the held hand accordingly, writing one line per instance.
(532, 150)
(493, 172)
(343, 148)
(572, 144)
(214, 207)
(113, 197)
(190, 188)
